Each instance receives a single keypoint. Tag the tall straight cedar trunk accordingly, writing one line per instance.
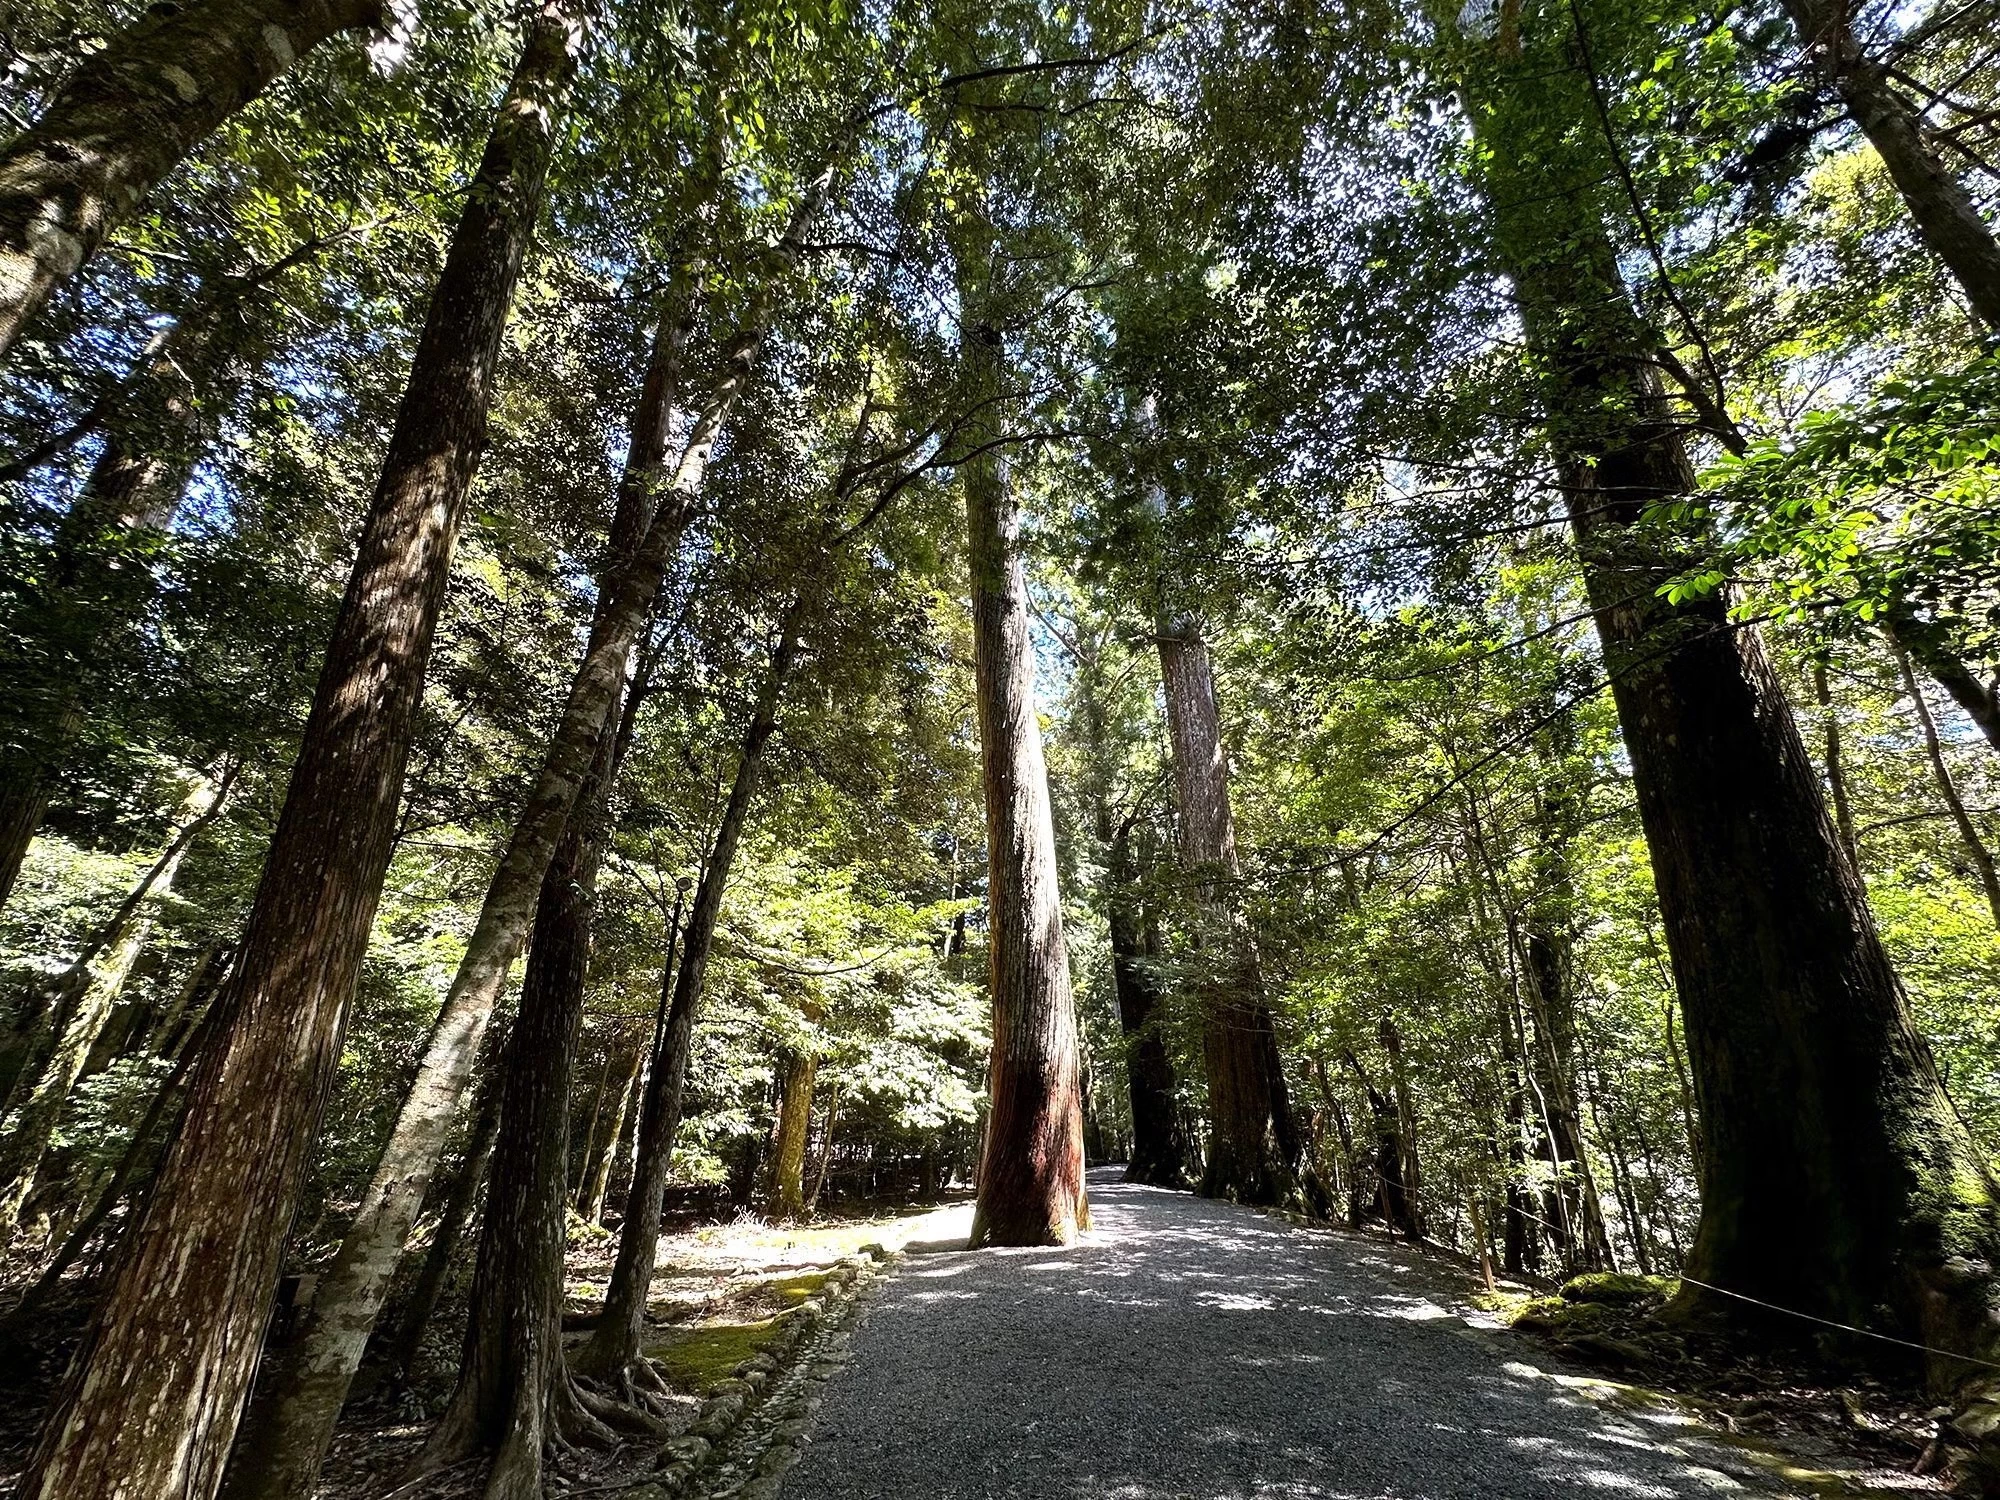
(1837, 1179)
(128, 116)
(613, 1350)
(1946, 217)
(1031, 1172)
(157, 1389)
(1252, 1146)
(303, 1419)
(514, 1394)
(285, 1443)
(1159, 1153)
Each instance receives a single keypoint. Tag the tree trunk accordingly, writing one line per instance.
(825, 1150)
(414, 1319)
(514, 1394)
(1836, 763)
(136, 485)
(25, 1135)
(137, 1153)
(1250, 1146)
(1031, 1189)
(1930, 646)
(159, 1385)
(596, 1174)
(613, 1350)
(1946, 217)
(788, 1157)
(286, 1442)
(1837, 1178)
(128, 116)
(1968, 832)
(1159, 1154)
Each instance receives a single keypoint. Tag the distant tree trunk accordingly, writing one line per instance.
(286, 1444)
(1930, 647)
(1411, 1176)
(1031, 1189)
(1159, 1154)
(1947, 218)
(596, 1174)
(126, 118)
(414, 1318)
(1837, 1178)
(825, 1150)
(137, 1154)
(158, 1387)
(1968, 832)
(613, 1351)
(27, 1130)
(788, 1156)
(1252, 1152)
(1392, 1198)
(135, 486)
(1836, 764)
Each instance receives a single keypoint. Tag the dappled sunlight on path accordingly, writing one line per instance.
(1188, 1350)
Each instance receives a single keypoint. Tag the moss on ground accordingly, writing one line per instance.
(693, 1359)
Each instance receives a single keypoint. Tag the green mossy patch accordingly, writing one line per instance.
(693, 1359)
(1618, 1289)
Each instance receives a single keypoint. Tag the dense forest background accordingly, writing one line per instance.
(1273, 343)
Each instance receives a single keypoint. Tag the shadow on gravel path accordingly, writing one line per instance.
(1195, 1349)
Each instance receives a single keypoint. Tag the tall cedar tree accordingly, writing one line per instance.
(156, 1390)
(1837, 1179)
(1253, 1149)
(1031, 1171)
(286, 1439)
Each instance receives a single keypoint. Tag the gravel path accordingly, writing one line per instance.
(1188, 1350)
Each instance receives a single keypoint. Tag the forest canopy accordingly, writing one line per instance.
(620, 611)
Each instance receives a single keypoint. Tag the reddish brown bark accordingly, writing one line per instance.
(1252, 1146)
(159, 1385)
(1031, 1171)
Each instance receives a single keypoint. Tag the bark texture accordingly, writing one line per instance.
(788, 1154)
(283, 1449)
(1946, 217)
(1031, 1188)
(514, 1393)
(128, 116)
(157, 1390)
(1252, 1148)
(1837, 1179)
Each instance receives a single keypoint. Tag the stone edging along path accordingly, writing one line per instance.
(755, 1424)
